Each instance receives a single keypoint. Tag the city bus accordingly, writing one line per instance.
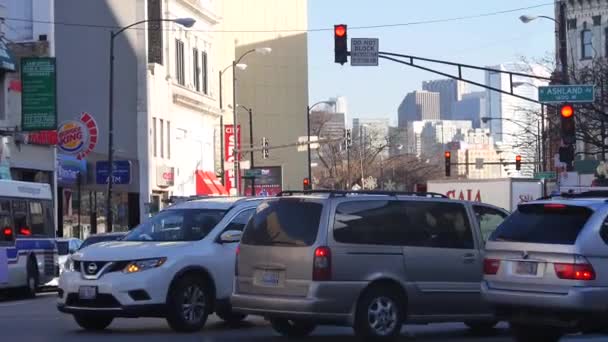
(28, 252)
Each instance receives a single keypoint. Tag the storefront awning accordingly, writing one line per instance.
(7, 61)
(208, 184)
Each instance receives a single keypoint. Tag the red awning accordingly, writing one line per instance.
(217, 183)
(208, 184)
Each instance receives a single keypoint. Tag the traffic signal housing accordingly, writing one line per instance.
(448, 163)
(568, 131)
(306, 184)
(518, 162)
(340, 45)
(265, 152)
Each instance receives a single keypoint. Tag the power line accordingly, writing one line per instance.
(364, 27)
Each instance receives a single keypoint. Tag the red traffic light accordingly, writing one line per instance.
(7, 232)
(340, 30)
(518, 158)
(448, 154)
(306, 181)
(567, 111)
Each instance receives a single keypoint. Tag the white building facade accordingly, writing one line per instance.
(427, 139)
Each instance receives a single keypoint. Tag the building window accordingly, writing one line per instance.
(195, 70)
(586, 44)
(154, 134)
(571, 24)
(597, 20)
(162, 138)
(168, 139)
(204, 71)
(179, 62)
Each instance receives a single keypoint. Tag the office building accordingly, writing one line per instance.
(419, 105)
(427, 139)
(450, 91)
(471, 107)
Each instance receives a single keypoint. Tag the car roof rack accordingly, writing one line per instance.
(343, 193)
(586, 194)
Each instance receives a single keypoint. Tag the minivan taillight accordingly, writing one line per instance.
(491, 266)
(321, 269)
(576, 271)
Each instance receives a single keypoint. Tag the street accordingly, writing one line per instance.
(38, 320)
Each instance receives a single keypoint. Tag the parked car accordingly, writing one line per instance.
(368, 260)
(65, 248)
(102, 237)
(178, 265)
(546, 267)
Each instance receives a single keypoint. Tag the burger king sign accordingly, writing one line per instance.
(78, 137)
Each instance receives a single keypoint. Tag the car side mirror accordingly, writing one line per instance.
(231, 236)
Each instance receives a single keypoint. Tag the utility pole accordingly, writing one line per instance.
(563, 44)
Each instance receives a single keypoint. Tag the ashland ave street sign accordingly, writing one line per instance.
(364, 51)
(566, 93)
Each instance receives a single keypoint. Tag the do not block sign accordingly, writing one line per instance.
(364, 51)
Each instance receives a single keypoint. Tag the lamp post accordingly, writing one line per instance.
(251, 164)
(560, 33)
(308, 110)
(263, 51)
(186, 22)
(240, 66)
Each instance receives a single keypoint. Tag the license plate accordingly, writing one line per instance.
(526, 268)
(87, 292)
(270, 278)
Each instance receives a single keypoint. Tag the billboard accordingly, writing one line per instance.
(231, 140)
(269, 182)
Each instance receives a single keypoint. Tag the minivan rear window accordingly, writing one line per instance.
(284, 222)
(543, 223)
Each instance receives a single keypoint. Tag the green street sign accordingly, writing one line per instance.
(38, 94)
(566, 93)
(253, 173)
(545, 175)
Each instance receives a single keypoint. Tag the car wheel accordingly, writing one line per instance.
(379, 315)
(230, 316)
(31, 285)
(535, 333)
(290, 328)
(93, 323)
(187, 304)
(481, 327)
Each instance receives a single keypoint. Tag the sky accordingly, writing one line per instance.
(376, 92)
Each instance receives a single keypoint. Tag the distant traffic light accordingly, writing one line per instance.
(340, 46)
(566, 154)
(306, 184)
(448, 163)
(265, 152)
(568, 127)
(348, 139)
(518, 162)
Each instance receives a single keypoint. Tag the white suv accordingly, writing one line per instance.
(178, 265)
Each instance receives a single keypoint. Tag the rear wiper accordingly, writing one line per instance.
(287, 243)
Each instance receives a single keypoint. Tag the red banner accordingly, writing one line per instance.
(230, 142)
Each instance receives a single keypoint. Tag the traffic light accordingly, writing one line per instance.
(340, 47)
(518, 162)
(568, 128)
(448, 163)
(265, 148)
(306, 184)
(348, 140)
(566, 154)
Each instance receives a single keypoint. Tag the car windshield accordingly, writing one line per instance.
(177, 225)
(99, 238)
(63, 248)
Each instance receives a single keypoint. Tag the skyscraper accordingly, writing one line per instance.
(450, 91)
(418, 105)
(471, 107)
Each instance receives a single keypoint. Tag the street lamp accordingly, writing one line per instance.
(560, 34)
(251, 165)
(261, 51)
(528, 18)
(186, 22)
(308, 110)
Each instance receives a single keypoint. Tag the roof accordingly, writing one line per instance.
(218, 203)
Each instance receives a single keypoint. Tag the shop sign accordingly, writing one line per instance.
(231, 141)
(78, 137)
(38, 94)
(121, 172)
(165, 176)
(68, 169)
(268, 181)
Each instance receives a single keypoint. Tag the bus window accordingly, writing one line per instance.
(6, 226)
(37, 223)
(20, 217)
(49, 219)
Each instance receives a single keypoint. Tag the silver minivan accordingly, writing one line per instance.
(372, 261)
(546, 268)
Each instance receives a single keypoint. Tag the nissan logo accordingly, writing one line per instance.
(92, 268)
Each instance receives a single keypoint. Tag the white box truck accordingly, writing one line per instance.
(505, 193)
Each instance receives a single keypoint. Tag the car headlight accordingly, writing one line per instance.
(68, 266)
(142, 265)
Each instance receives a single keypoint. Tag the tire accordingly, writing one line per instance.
(188, 304)
(481, 327)
(535, 333)
(93, 322)
(379, 315)
(290, 328)
(230, 316)
(31, 285)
